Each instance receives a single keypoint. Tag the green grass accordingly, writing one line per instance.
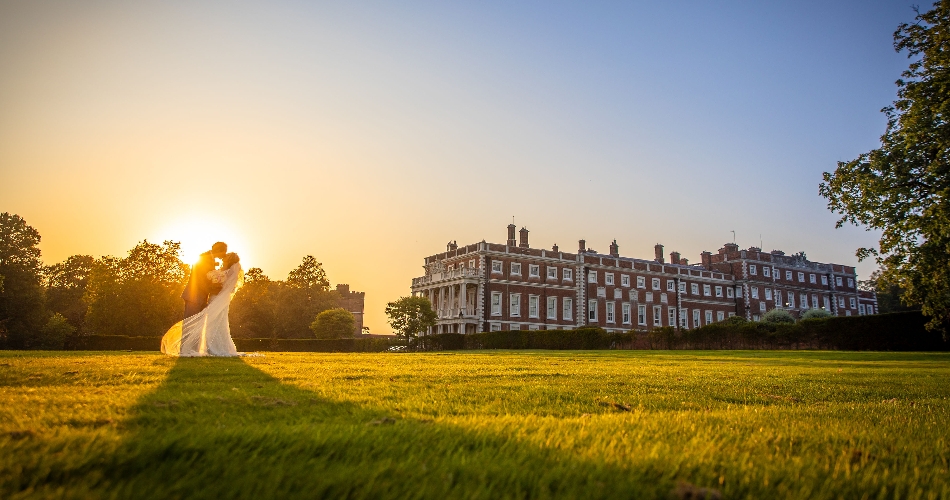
(475, 425)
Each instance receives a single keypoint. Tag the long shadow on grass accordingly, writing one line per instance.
(219, 428)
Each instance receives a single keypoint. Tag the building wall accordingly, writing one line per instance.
(354, 303)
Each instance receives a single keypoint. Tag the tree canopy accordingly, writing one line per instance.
(903, 187)
(410, 316)
(22, 303)
(336, 323)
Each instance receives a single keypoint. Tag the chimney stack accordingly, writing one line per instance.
(511, 235)
(614, 249)
(524, 238)
(707, 260)
(674, 257)
(658, 251)
(581, 246)
(554, 248)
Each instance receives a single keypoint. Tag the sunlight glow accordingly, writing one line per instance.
(198, 233)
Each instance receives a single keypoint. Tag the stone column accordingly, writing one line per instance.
(463, 297)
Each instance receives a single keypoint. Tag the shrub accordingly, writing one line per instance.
(54, 333)
(334, 323)
(816, 314)
(778, 316)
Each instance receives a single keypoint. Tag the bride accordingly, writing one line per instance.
(208, 333)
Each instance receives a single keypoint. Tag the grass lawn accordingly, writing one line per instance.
(617, 424)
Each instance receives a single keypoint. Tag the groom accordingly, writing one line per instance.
(199, 286)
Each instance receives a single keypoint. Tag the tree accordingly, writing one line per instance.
(778, 316)
(889, 295)
(54, 333)
(336, 323)
(252, 313)
(304, 295)
(139, 295)
(22, 309)
(410, 316)
(903, 187)
(65, 287)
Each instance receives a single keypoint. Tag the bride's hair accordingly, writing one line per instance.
(231, 259)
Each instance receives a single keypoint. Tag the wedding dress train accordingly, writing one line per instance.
(207, 333)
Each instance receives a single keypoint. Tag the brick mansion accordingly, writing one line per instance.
(492, 287)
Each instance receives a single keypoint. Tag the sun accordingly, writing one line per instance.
(197, 234)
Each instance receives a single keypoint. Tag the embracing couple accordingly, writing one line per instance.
(205, 330)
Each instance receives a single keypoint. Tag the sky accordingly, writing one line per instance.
(370, 134)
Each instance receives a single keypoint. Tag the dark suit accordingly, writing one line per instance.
(199, 287)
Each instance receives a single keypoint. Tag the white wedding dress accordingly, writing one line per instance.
(207, 333)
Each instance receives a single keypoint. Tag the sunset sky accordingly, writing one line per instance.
(370, 134)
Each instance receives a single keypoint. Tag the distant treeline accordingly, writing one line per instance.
(58, 306)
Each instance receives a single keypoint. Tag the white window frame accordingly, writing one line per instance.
(838, 281)
(657, 315)
(514, 305)
(766, 271)
(788, 275)
(592, 310)
(592, 276)
(801, 277)
(496, 304)
(551, 272)
(768, 294)
(551, 311)
(720, 316)
(762, 306)
(625, 313)
(496, 268)
(754, 292)
(696, 314)
(719, 291)
(642, 315)
(850, 283)
(624, 280)
(649, 297)
(671, 316)
(707, 291)
(752, 269)
(811, 279)
(670, 286)
(683, 286)
(803, 300)
(641, 282)
(824, 280)
(655, 282)
(534, 270)
(814, 301)
(567, 274)
(495, 326)
(739, 292)
(850, 302)
(664, 298)
(534, 306)
(608, 278)
(611, 312)
(567, 308)
(730, 293)
(694, 288)
(516, 269)
(861, 309)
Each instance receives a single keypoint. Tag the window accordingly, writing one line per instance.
(642, 315)
(532, 327)
(778, 298)
(861, 309)
(719, 316)
(824, 280)
(649, 297)
(696, 323)
(514, 304)
(567, 308)
(641, 282)
(471, 264)
(814, 301)
(602, 291)
(762, 306)
(670, 286)
(496, 327)
(568, 274)
(657, 316)
(684, 318)
(533, 306)
(847, 313)
(592, 310)
(534, 270)
(788, 275)
(755, 292)
(851, 303)
(624, 280)
(496, 303)
(752, 270)
(840, 301)
(656, 283)
(625, 311)
(707, 290)
(496, 268)
(552, 308)
(610, 312)
(755, 317)
(592, 277)
(708, 317)
(694, 289)
(663, 298)
(850, 283)
(811, 278)
(804, 301)
(730, 293)
(618, 294)
(552, 272)
(767, 272)
(768, 294)
(718, 291)
(838, 280)
(801, 277)
(671, 313)
(683, 286)
(609, 278)
(827, 303)
(739, 292)
(516, 268)
(791, 300)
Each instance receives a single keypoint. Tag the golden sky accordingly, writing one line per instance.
(369, 136)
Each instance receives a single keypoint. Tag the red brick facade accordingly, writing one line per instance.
(488, 286)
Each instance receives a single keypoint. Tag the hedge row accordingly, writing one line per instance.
(125, 343)
(884, 332)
